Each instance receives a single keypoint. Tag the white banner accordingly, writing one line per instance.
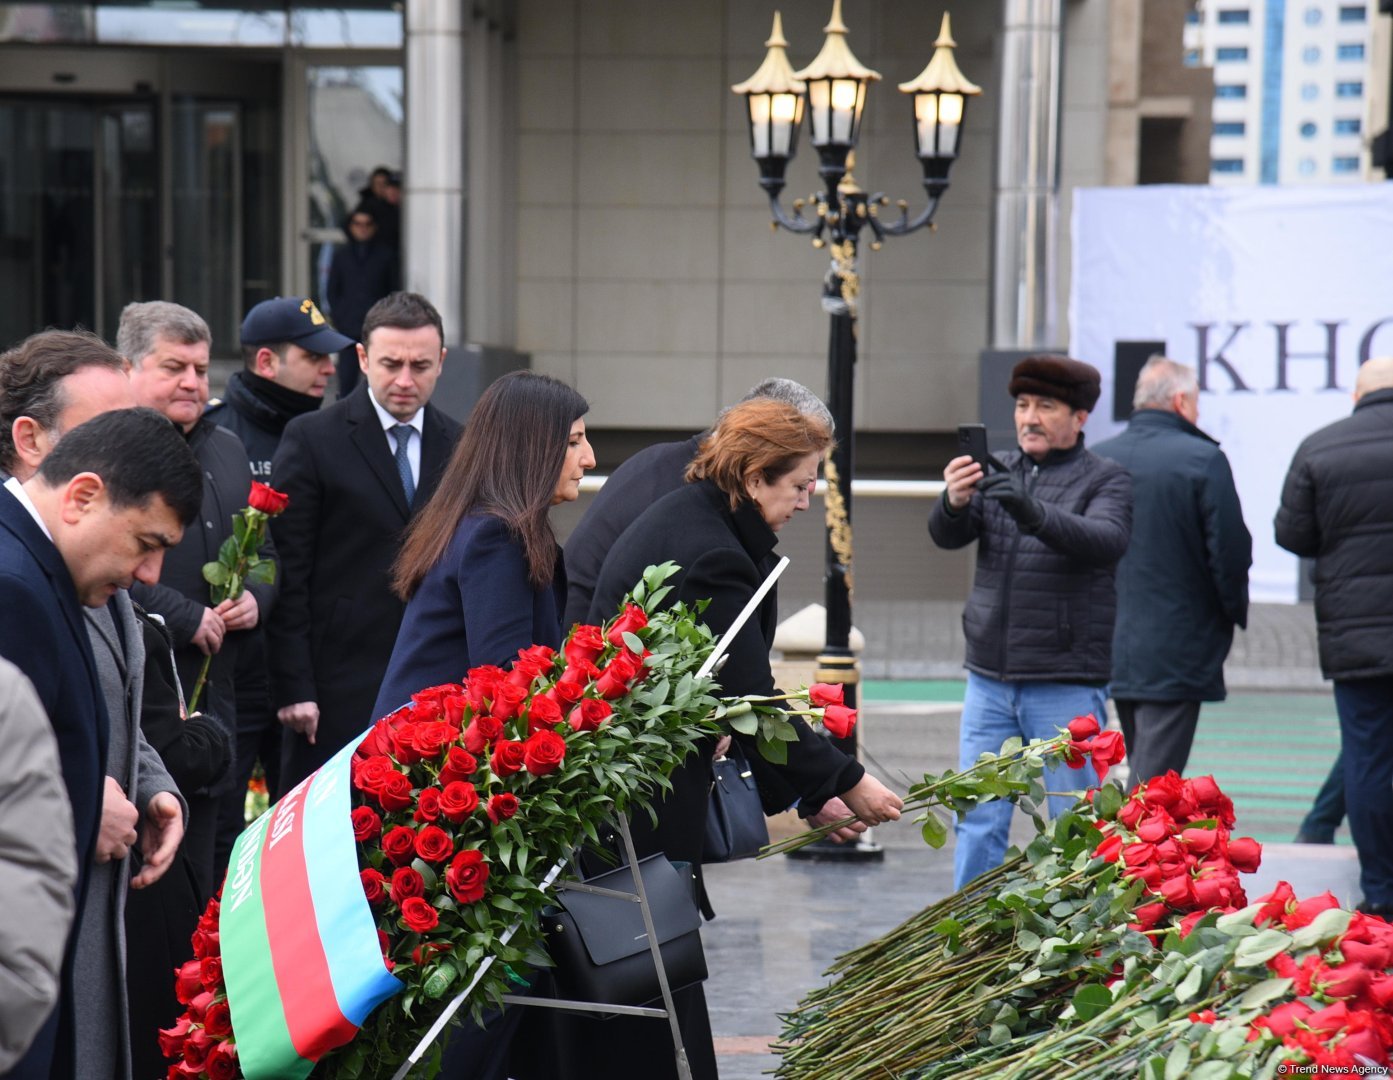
(1275, 295)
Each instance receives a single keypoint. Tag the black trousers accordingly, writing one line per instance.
(1158, 735)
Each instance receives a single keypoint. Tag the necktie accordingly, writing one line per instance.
(402, 433)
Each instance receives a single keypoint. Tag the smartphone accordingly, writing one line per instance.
(972, 442)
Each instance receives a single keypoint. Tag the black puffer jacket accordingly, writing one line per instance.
(256, 410)
(1042, 605)
(1337, 507)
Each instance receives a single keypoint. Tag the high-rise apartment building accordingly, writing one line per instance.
(1292, 88)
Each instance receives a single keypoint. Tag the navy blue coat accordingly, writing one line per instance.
(1183, 585)
(476, 606)
(43, 634)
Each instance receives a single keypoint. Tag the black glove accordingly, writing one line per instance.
(1008, 489)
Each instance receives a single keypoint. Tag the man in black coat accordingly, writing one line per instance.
(1050, 528)
(100, 513)
(355, 472)
(1337, 507)
(168, 347)
(1183, 585)
(363, 271)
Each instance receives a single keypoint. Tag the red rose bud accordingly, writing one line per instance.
(1330, 1019)
(1276, 904)
(618, 673)
(395, 792)
(1076, 755)
(1376, 955)
(430, 739)
(428, 949)
(1148, 915)
(1139, 854)
(1164, 790)
(820, 695)
(459, 765)
(579, 674)
(427, 806)
(433, 844)
(458, 800)
(196, 1049)
(372, 885)
(1153, 830)
(403, 748)
(1110, 850)
(542, 714)
(543, 753)
(1245, 853)
(217, 1021)
(507, 758)
(481, 732)
(1303, 912)
(590, 714)
(631, 620)
(188, 981)
(507, 701)
(480, 684)
(210, 972)
(1132, 811)
(584, 645)
(221, 1062)
(366, 824)
(384, 946)
(524, 673)
(455, 707)
(467, 876)
(1083, 727)
(1199, 840)
(538, 654)
(1188, 922)
(372, 772)
(1281, 1021)
(419, 916)
(267, 499)
(1178, 892)
(565, 694)
(502, 806)
(1204, 1016)
(172, 1038)
(1107, 750)
(399, 844)
(1366, 1043)
(1212, 891)
(406, 883)
(839, 721)
(1345, 981)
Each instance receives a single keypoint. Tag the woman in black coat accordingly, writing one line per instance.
(754, 471)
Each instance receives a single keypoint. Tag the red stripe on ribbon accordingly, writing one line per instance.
(312, 1013)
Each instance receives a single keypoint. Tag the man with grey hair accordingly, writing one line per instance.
(1183, 585)
(169, 347)
(642, 480)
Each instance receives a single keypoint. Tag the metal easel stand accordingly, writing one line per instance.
(638, 896)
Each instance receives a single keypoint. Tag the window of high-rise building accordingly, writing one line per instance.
(1231, 91)
(1226, 165)
(1192, 17)
(1192, 58)
(1353, 13)
(1353, 51)
(1308, 130)
(1233, 16)
(1311, 54)
(1306, 166)
(1352, 89)
(1309, 91)
(1349, 125)
(1227, 53)
(1230, 127)
(1313, 16)
(1345, 164)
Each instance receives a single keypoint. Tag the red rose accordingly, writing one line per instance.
(377, 742)
(507, 700)
(542, 753)
(537, 654)
(1132, 811)
(1083, 727)
(210, 972)
(618, 674)
(430, 739)
(481, 732)
(502, 806)
(221, 1062)
(267, 499)
(1213, 891)
(1200, 841)
(217, 1021)
(402, 747)
(196, 1048)
(1188, 922)
(1107, 750)
(427, 949)
(590, 714)
(820, 695)
(205, 941)
(542, 714)
(366, 824)
(395, 792)
(188, 981)
(467, 876)
(434, 844)
(199, 1005)
(839, 721)
(172, 1038)
(579, 674)
(1110, 850)
(427, 806)
(1164, 790)
(565, 694)
(479, 685)
(459, 765)
(372, 885)
(1148, 915)
(370, 774)
(1178, 892)
(458, 800)
(1281, 1021)
(1139, 854)
(454, 708)
(419, 916)
(1276, 904)
(1330, 1019)
(631, 620)
(1373, 955)
(507, 758)
(583, 646)
(524, 674)
(406, 883)
(1245, 853)
(1345, 981)
(399, 844)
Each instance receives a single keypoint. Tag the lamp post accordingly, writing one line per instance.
(832, 91)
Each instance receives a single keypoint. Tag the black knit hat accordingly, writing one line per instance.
(1071, 381)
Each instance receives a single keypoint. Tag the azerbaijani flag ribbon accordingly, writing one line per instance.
(300, 953)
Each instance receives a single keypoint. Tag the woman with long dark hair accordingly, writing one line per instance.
(480, 569)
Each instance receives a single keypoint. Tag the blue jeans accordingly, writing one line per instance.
(993, 711)
(1366, 747)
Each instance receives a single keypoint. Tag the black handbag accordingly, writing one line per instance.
(599, 946)
(735, 825)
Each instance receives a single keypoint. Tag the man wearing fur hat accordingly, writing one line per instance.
(1051, 525)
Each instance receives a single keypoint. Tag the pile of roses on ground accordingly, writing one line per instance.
(1119, 943)
(464, 798)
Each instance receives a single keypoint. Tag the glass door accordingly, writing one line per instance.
(128, 210)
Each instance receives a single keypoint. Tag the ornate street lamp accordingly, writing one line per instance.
(834, 87)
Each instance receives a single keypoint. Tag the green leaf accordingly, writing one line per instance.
(1324, 928)
(216, 574)
(1261, 947)
(1178, 1062)
(230, 552)
(1212, 1070)
(1091, 1000)
(934, 831)
(774, 750)
(1260, 993)
(1108, 801)
(633, 642)
(262, 572)
(1190, 986)
(999, 1035)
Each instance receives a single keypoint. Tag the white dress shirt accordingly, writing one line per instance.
(15, 488)
(413, 449)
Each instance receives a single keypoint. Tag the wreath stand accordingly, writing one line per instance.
(638, 896)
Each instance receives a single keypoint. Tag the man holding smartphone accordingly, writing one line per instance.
(1051, 527)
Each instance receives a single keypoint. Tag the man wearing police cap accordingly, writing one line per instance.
(1051, 524)
(288, 351)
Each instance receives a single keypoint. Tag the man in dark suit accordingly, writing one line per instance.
(355, 472)
(105, 505)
